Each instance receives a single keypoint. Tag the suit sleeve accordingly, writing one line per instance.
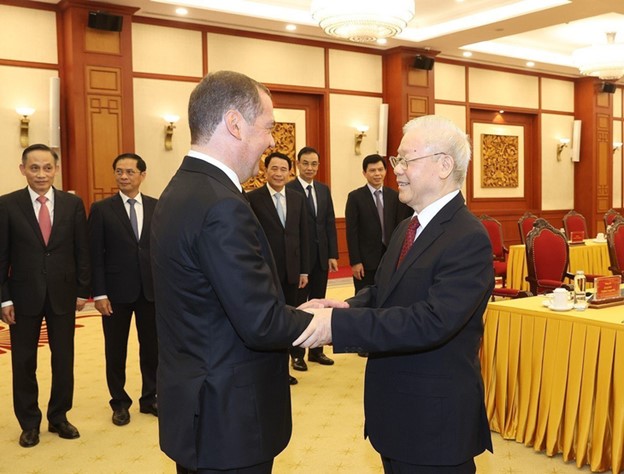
(231, 250)
(5, 263)
(352, 221)
(97, 247)
(304, 243)
(81, 251)
(332, 237)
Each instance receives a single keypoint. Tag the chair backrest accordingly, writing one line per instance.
(574, 222)
(547, 255)
(495, 231)
(525, 224)
(610, 216)
(615, 241)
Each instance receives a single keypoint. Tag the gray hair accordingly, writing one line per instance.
(217, 93)
(440, 135)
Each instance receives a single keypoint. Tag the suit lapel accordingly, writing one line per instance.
(26, 206)
(267, 202)
(148, 210)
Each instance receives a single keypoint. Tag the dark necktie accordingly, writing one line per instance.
(410, 235)
(380, 211)
(133, 218)
(311, 200)
(45, 224)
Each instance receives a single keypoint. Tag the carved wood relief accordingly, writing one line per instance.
(499, 161)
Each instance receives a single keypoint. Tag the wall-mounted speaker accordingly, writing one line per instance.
(423, 62)
(105, 21)
(608, 87)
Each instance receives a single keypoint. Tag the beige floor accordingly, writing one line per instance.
(327, 412)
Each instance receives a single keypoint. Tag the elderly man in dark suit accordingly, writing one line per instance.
(223, 325)
(323, 242)
(422, 320)
(44, 273)
(372, 213)
(119, 233)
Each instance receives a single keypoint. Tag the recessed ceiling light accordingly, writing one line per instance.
(382, 41)
(467, 54)
(530, 63)
(291, 27)
(181, 11)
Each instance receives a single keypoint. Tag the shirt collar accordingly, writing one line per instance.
(34, 195)
(372, 190)
(137, 198)
(273, 191)
(304, 183)
(213, 161)
(428, 213)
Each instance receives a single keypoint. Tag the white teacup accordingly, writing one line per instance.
(600, 236)
(561, 298)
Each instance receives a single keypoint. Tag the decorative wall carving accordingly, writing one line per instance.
(499, 161)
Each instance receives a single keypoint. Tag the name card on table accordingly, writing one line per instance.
(607, 291)
(577, 237)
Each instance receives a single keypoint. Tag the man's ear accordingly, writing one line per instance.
(233, 119)
(447, 164)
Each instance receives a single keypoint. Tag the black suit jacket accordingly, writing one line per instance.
(289, 244)
(364, 238)
(223, 326)
(322, 227)
(121, 265)
(30, 269)
(422, 324)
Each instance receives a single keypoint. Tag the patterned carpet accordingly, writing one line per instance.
(327, 413)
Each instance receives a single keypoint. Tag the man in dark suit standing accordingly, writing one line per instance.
(283, 217)
(119, 233)
(223, 325)
(422, 320)
(323, 242)
(44, 273)
(371, 214)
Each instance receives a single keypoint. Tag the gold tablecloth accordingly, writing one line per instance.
(592, 257)
(555, 380)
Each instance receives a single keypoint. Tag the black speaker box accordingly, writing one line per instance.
(423, 62)
(105, 21)
(608, 87)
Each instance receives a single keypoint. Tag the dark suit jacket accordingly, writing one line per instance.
(322, 228)
(289, 244)
(29, 269)
(121, 265)
(223, 327)
(364, 228)
(423, 325)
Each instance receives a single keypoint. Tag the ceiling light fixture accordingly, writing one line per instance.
(605, 61)
(362, 21)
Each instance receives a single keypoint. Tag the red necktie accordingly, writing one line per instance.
(410, 235)
(45, 224)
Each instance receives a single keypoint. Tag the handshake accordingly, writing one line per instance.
(318, 333)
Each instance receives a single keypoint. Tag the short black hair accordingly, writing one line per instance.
(371, 160)
(277, 154)
(38, 146)
(140, 163)
(305, 151)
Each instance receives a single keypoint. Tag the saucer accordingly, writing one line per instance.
(600, 241)
(567, 307)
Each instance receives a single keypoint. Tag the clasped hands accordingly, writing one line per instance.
(318, 333)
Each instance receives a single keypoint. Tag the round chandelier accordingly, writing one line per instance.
(362, 21)
(605, 61)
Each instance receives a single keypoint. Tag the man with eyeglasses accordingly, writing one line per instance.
(119, 233)
(421, 321)
(323, 242)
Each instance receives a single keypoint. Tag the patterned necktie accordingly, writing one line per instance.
(311, 200)
(45, 224)
(380, 211)
(410, 235)
(280, 209)
(133, 218)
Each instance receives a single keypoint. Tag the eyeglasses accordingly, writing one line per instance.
(129, 173)
(402, 161)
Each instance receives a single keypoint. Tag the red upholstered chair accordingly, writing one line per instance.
(574, 222)
(610, 216)
(499, 251)
(525, 224)
(547, 258)
(615, 241)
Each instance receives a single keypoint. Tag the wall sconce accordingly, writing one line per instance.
(617, 146)
(25, 112)
(171, 120)
(359, 136)
(563, 142)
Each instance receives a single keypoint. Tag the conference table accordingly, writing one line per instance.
(555, 380)
(591, 257)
